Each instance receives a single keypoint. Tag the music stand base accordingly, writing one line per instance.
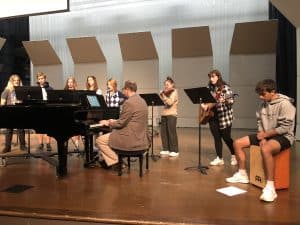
(201, 168)
(155, 157)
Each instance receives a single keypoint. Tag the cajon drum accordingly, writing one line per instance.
(282, 168)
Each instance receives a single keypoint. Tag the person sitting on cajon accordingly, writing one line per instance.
(276, 121)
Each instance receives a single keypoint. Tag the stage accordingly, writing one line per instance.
(166, 194)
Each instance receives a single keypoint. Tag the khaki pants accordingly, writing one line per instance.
(107, 153)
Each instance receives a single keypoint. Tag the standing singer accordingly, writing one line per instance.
(114, 97)
(168, 131)
(8, 97)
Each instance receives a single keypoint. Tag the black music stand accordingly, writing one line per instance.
(198, 96)
(152, 99)
(29, 94)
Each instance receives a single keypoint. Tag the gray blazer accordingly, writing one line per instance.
(130, 131)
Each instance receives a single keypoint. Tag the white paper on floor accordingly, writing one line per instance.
(231, 191)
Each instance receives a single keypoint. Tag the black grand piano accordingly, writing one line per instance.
(65, 114)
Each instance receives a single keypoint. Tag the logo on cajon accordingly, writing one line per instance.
(258, 178)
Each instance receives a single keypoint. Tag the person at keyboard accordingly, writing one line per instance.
(8, 97)
(44, 84)
(129, 131)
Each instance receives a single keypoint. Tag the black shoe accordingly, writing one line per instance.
(94, 156)
(23, 147)
(41, 147)
(48, 147)
(115, 167)
(6, 149)
(103, 164)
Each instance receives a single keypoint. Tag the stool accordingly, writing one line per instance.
(281, 173)
(138, 153)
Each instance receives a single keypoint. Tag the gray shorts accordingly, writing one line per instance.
(283, 141)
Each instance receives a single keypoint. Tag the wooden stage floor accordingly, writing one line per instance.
(166, 194)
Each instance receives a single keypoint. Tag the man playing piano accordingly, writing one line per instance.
(129, 131)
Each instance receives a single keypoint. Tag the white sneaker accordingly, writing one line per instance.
(268, 194)
(173, 154)
(217, 162)
(233, 161)
(164, 152)
(238, 178)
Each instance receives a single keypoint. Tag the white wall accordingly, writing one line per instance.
(157, 16)
(245, 72)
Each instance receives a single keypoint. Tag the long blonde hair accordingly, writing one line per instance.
(10, 83)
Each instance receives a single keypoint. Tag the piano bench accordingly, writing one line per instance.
(126, 153)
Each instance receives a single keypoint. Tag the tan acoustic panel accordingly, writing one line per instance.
(82, 71)
(41, 53)
(290, 9)
(137, 46)
(2, 41)
(85, 50)
(191, 42)
(254, 37)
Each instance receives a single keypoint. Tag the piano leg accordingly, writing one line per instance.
(62, 149)
(89, 148)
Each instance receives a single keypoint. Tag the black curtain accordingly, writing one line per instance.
(13, 57)
(286, 57)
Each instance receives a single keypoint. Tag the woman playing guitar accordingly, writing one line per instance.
(221, 116)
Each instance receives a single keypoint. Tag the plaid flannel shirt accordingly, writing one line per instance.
(224, 110)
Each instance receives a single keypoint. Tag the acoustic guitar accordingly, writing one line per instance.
(205, 115)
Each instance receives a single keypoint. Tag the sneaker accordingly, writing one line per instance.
(233, 161)
(238, 178)
(164, 152)
(268, 194)
(217, 162)
(48, 147)
(173, 154)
